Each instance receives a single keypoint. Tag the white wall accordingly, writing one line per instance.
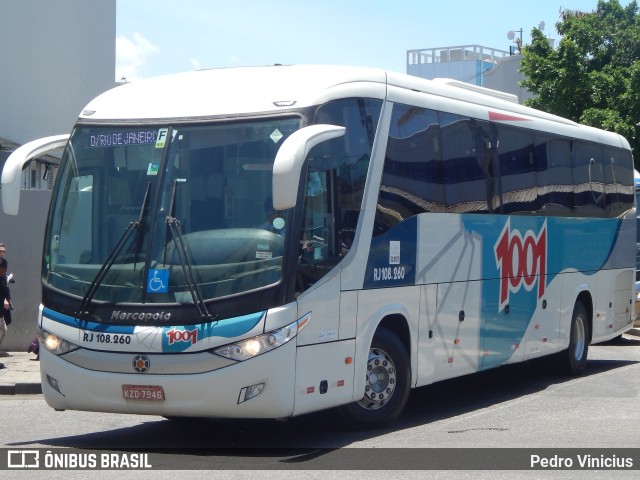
(55, 56)
(506, 77)
(23, 236)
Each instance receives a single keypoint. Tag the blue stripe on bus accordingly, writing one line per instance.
(85, 324)
(228, 328)
(578, 244)
(381, 270)
(585, 245)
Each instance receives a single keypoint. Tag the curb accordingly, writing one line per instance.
(20, 389)
(20, 374)
(633, 331)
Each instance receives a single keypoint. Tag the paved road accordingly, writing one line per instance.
(520, 406)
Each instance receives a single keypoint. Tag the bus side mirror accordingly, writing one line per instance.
(12, 171)
(290, 158)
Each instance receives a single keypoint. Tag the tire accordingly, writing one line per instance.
(574, 358)
(388, 383)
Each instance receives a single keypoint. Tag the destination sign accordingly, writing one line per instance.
(116, 139)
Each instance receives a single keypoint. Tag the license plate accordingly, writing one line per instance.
(143, 392)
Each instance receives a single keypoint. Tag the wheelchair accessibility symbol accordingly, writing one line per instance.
(158, 281)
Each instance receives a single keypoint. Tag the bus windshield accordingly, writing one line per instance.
(167, 214)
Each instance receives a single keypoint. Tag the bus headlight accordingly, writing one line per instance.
(54, 343)
(254, 346)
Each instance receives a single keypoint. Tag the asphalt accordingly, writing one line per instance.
(21, 372)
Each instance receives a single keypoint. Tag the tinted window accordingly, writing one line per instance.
(468, 148)
(334, 187)
(517, 171)
(557, 187)
(588, 177)
(618, 174)
(442, 162)
(412, 177)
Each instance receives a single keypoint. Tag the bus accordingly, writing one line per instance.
(266, 242)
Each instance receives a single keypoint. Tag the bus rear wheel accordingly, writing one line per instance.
(387, 384)
(574, 358)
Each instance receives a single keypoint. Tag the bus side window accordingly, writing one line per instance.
(517, 171)
(558, 198)
(616, 171)
(588, 176)
(469, 170)
(334, 186)
(412, 175)
(317, 252)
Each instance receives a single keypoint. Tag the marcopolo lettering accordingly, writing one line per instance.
(140, 316)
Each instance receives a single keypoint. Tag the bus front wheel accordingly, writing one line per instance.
(574, 358)
(387, 384)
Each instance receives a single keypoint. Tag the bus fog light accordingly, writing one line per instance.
(248, 393)
(55, 384)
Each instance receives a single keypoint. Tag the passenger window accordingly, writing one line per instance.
(619, 191)
(412, 177)
(588, 175)
(517, 171)
(468, 154)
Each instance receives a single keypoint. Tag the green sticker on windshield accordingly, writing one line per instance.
(152, 169)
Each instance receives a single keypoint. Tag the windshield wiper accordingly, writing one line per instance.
(106, 266)
(181, 248)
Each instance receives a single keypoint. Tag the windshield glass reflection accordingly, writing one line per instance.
(213, 180)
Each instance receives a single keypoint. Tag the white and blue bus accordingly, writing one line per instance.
(268, 242)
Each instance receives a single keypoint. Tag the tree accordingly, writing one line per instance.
(593, 77)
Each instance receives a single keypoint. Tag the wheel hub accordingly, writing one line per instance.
(579, 338)
(380, 380)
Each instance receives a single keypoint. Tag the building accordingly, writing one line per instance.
(467, 63)
(60, 55)
(475, 64)
(56, 56)
(505, 76)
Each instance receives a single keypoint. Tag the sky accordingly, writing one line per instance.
(157, 37)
